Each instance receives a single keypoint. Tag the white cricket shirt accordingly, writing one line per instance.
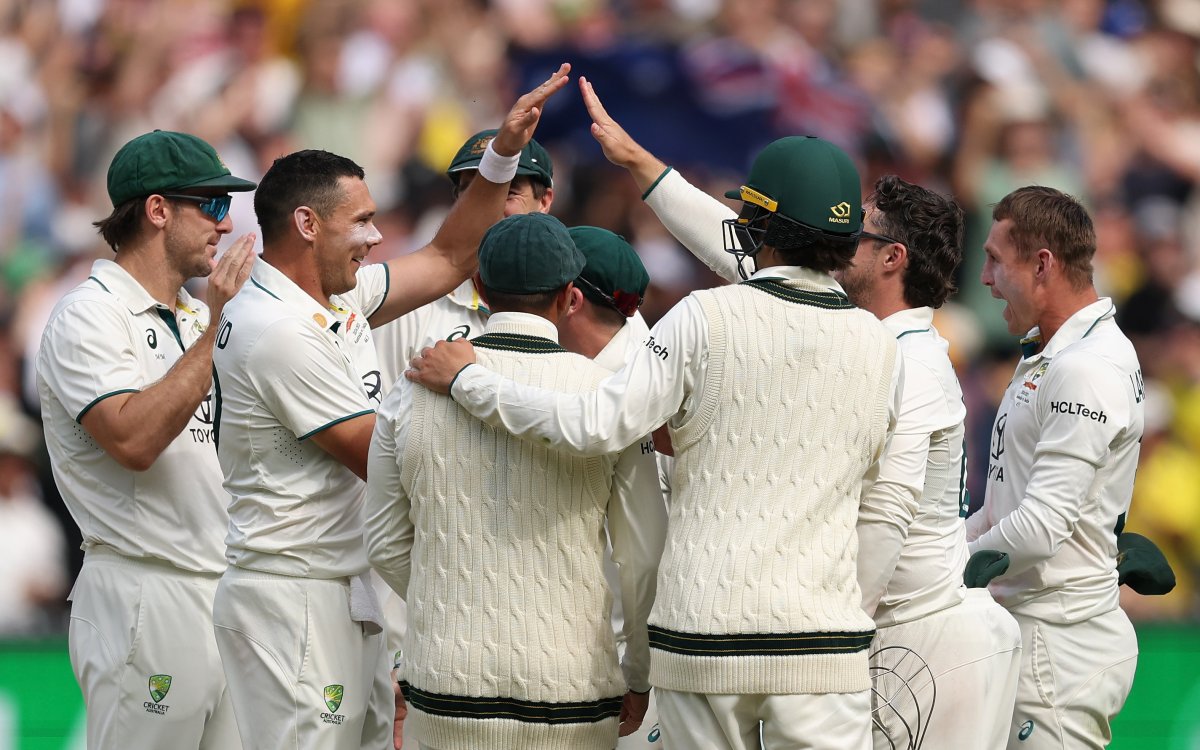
(460, 314)
(1063, 454)
(288, 367)
(925, 455)
(109, 336)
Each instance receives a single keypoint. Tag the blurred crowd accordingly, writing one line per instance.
(1100, 99)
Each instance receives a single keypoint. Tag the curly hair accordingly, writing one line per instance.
(931, 227)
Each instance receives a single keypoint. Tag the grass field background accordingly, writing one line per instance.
(41, 708)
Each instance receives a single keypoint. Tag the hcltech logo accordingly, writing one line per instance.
(160, 685)
(333, 699)
(1026, 730)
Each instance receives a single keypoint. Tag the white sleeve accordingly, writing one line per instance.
(1072, 445)
(639, 397)
(637, 529)
(890, 502)
(694, 218)
(386, 506)
(304, 379)
(86, 356)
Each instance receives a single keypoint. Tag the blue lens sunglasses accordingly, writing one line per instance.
(216, 206)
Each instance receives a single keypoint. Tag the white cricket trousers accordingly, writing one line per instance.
(825, 721)
(1074, 680)
(302, 674)
(965, 697)
(143, 652)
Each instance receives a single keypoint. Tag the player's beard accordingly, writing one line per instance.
(857, 285)
(187, 254)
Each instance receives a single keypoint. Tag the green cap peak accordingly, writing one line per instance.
(163, 161)
(808, 180)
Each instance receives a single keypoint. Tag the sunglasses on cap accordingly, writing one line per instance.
(216, 206)
(626, 303)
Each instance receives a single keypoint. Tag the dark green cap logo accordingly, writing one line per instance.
(534, 162)
(160, 685)
(333, 697)
(808, 180)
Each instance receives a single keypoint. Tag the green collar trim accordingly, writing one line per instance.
(914, 330)
(101, 283)
(517, 342)
(268, 291)
(829, 300)
(168, 317)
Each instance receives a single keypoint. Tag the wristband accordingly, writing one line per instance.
(496, 168)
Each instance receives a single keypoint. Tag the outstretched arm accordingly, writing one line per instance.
(690, 214)
(447, 261)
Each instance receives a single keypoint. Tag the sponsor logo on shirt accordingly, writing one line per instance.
(373, 385)
(657, 348)
(333, 700)
(160, 685)
(203, 415)
(1139, 386)
(995, 469)
(1026, 730)
(1078, 409)
(461, 332)
(1025, 395)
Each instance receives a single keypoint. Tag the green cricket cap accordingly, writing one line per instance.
(534, 161)
(163, 161)
(527, 254)
(613, 275)
(808, 180)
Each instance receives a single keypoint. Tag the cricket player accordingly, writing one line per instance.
(780, 396)
(1063, 454)
(606, 327)
(298, 625)
(498, 545)
(461, 313)
(911, 559)
(124, 376)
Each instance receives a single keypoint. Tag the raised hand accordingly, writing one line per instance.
(618, 146)
(229, 273)
(523, 118)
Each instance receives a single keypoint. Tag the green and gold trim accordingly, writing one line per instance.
(758, 644)
(517, 342)
(532, 712)
(829, 300)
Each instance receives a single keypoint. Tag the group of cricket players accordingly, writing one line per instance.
(468, 499)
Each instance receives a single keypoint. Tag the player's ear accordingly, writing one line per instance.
(574, 299)
(306, 221)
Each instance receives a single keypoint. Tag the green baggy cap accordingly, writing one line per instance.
(614, 274)
(164, 161)
(534, 161)
(527, 254)
(808, 180)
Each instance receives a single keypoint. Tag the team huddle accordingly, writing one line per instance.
(468, 499)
